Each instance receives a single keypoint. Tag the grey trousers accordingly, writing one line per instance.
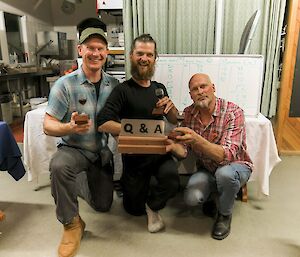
(73, 175)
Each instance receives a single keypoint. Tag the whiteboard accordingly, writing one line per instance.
(237, 78)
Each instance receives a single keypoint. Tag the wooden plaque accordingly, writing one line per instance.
(142, 137)
(142, 145)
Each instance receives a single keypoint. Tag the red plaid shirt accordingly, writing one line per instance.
(226, 128)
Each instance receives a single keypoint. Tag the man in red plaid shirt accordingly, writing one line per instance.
(214, 129)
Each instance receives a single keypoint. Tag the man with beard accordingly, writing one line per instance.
(215, 132)
(135, 99)
(74, 102)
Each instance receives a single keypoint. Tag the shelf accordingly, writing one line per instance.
(116, 50)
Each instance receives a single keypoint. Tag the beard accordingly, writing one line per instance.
(203, 104)
(142, 74)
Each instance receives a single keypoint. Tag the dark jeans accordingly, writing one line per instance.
(73, 175)
(136, 176)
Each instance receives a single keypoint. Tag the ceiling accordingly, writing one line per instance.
(71, 12)
(62, 12)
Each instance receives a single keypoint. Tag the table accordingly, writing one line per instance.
(10, 154)
(38, 148)
(262, 150)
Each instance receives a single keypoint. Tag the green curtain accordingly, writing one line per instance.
(187, 27)
(179, 27)
(266, 40)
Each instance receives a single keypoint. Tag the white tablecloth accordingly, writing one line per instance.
(38, 148)
(262, 150)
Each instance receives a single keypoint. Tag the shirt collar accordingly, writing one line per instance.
(217, 110)
(83, 79)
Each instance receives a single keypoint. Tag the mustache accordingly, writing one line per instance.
(143, 62)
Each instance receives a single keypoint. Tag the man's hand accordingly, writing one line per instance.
(167, 103)
(79, 128)
(186, 135)
(170, 110)
(56, 128)
(200, 144)
(176, 149)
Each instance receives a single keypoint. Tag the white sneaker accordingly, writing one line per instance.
(155, 222)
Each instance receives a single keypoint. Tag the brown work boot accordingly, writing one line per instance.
(70, 241)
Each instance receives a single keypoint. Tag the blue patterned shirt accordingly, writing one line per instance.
(64, 99)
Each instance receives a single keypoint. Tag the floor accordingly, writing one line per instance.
(268, 227)
(18, 130)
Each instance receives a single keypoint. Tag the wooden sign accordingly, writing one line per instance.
(140, 136)
(142, 128)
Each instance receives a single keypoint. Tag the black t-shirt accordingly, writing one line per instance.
(97, 86)
(131, 101)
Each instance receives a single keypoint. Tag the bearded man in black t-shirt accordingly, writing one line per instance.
(136, 99)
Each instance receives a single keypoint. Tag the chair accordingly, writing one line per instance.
(243, 194)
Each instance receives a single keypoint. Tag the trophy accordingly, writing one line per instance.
(159, 92)
(81, 118)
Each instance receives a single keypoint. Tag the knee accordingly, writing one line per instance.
(225, 175)
(57, 167)
(193, 197)
(62, 166)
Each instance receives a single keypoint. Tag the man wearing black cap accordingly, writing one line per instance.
(74, 103)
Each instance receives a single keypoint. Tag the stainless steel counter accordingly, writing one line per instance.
(21, 75)
(25, 73)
